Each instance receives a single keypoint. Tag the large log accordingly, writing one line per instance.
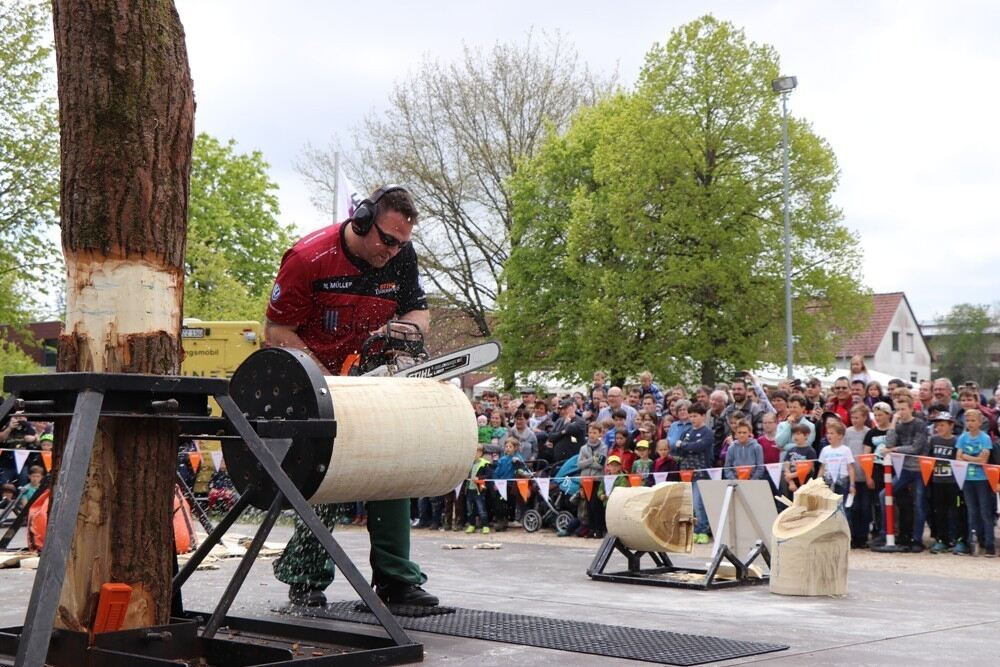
(126, 115)
(652, 519)
(810, 543)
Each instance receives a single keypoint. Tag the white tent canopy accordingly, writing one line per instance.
(544, 381)
(772, 374)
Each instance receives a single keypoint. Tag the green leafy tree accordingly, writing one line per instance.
(29, 156)
(649, 234)
(967, 339)
(235, 240)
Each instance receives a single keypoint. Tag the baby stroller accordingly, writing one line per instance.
(551, 508)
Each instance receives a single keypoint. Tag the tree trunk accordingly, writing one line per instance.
(126, 115)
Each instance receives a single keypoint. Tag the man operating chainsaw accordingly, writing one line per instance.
(334, 289)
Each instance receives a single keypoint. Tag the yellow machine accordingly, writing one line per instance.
(215, 349)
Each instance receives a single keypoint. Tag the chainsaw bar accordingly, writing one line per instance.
(447, 366)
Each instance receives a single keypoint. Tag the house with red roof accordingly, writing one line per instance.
(892, 343)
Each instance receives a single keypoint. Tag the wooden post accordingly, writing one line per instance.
(809, 544)
(126, 116)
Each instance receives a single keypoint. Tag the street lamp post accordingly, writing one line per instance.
(783, 86)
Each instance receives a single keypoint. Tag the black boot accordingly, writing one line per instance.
(403, 593)
(302, 594)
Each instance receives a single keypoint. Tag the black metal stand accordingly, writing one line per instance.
(88, 397)
(665, 573)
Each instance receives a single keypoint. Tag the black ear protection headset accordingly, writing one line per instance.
(364, 214)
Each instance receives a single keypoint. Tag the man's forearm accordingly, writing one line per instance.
(282, 336)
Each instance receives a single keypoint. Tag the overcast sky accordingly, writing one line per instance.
(905, 92)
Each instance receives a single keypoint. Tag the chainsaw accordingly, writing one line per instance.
(398, 351)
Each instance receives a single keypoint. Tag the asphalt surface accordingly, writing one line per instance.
(888, 617)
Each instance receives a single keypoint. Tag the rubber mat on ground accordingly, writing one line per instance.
(659, 646)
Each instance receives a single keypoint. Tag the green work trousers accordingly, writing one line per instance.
(305, 561)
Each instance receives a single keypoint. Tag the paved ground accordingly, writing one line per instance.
(893, 616)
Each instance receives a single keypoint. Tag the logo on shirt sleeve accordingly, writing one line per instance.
(276, 292)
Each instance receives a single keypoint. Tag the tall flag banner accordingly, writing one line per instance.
(347, 197)
(20, 456)
(774, 470)
(715, 473)
(501, 485)
(993, 475)
(609, 483)
(867, 462)
(524, 489)
(195, 458)
(217, 460)
(927, 468)
(659, 477)
(897, 465)
(47, 460)
(543, 486)
(958, 469)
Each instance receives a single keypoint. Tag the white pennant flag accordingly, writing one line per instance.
(659, 477)
(543, 486)
(715, 473)
(774, 470)
(501, 485)
(897, 465)
(959, 469)
(20, 456)
(217, 460)
(609, 483)
(458, 489)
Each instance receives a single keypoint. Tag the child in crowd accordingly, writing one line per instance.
(908, 436)
(612, 469)
(664, 461)
(7, 494)
(860, 514)
(744, 451)
(591, 461)
(875, 443)
(622, 449)
(475, 493)
(947, 506)
(509, 467)
(731, 421)
(974, 447)
(836, 462)
(801, 454)
(642, 465)
(768, 444)
(485, 432)
(696, 451)
(498, 434)
(618, 421)
(35, 476)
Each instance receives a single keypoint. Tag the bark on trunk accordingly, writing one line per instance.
(126, 113)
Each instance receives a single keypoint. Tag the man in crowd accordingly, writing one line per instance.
(334, 288)
(716, 420)
(568, 433)
(743, 403)
(942, 390)
(616, 402)
(18, 433)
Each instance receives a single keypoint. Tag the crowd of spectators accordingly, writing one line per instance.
(742, 427)
(23, 467)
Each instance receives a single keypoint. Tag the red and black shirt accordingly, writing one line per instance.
(335, 299)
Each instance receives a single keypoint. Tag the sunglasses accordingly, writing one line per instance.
(389, 241)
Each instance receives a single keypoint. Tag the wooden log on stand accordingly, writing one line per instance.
(652, 519)
(126, 115)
